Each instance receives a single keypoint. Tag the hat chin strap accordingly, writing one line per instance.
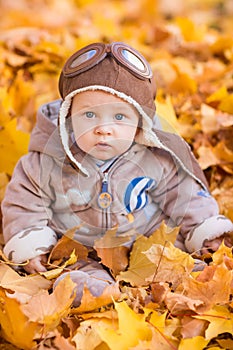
(146, 136)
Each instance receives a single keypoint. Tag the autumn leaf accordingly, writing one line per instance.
(218, 155)
(172, 264)
(192, 327)
(30, 285)
(48, 309)
(15, 325)
(195, 343)
(65, 246)
(13, 144)
(54, 273)
(87, 337)
(202, 293)
(131, 328)
(89, 302)
(110, 248)
(167, 115)
(220, 321)
(189, 30)
(3, 183)
(61, 342)
(223, 255)
(140, 267)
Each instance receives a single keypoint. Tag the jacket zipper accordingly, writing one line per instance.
(105, 201)
(106, 218)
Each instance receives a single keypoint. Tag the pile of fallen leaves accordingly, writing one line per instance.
(158, 301)
(162, 303)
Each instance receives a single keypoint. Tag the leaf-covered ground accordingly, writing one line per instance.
(161, 301)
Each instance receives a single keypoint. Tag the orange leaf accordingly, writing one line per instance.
(15, 326)
(111, 250)
(90, 302)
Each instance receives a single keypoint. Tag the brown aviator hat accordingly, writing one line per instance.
(115, 68)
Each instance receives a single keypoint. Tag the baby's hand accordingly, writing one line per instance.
(36, 264)
(212, 246)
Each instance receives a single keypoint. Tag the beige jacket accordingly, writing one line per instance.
(48, 194)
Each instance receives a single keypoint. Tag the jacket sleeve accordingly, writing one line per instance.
(189, 205)
(26, 210)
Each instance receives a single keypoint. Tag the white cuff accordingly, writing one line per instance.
(29, 243)
(209, 229)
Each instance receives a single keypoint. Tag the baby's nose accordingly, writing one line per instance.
(104, 129)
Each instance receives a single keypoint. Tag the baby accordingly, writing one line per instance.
(98, 158)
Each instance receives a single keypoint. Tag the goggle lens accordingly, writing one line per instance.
(83, 58)
(132, 59)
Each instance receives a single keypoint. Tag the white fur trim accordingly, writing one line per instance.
(209, 229)
(29, 243)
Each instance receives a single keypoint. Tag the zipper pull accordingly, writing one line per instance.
(104, 198)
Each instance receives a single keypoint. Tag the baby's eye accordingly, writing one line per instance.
(90, 114)
(119, 116)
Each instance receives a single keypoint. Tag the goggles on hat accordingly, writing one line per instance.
(91, 55)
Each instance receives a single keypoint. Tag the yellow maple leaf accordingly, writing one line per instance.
(160, 339)
(140, 267)
(13, 144)
(221, 321)
(132, 327)
(86, 337)
(195, 343)
(172, 264)
(15, 326)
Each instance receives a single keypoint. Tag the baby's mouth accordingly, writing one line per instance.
(102, 144)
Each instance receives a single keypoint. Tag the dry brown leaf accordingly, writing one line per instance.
(181, 304)
(65, 246)
(192, 327)
(110, 248)
(62, 343)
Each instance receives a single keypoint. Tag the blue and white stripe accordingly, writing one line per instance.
(136, 196)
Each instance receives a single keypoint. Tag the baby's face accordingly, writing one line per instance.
(104, 125)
